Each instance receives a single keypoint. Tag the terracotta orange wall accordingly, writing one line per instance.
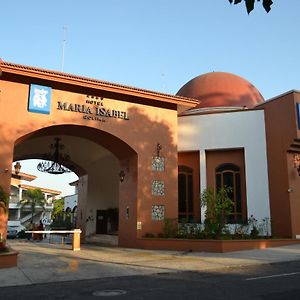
(294, 182)
(148, 125)
(214, 158)
(294, 195)
(192, 160)
(280, 116)
(127, 199)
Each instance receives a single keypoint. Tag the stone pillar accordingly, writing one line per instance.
(81, 205)
(76, 240)
(20, 198)
(6, 158)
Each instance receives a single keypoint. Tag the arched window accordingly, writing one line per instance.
(185, 193)
(228, 175)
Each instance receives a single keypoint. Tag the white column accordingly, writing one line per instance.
(20, 198)
(20, 193)
(203, 180)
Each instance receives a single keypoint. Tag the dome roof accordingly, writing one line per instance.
(220, 89)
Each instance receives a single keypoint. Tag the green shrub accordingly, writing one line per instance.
(170, 228)
(218, 208)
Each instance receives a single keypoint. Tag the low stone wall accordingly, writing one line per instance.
(212, 245)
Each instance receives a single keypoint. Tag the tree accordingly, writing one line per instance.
(218, 208)
(58, 208)
(33, 199)
(250, 4)
(62, 219)
(58, 214)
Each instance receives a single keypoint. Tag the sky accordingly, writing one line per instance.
(156, 45)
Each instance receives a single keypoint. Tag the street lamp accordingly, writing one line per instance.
(17, 168)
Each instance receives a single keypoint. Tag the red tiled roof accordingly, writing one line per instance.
(89, 82)
(44, 190)
(23, 176)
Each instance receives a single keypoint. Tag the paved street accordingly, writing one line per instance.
(276, 281)
(53, 271)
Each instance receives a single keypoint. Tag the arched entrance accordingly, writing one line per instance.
(97, 158)
(128, 123)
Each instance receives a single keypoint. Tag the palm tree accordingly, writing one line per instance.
(33, 199)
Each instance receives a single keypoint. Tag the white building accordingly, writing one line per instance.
(18, 216)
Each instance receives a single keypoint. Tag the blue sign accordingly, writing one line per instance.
(298, 114)
(39, 99)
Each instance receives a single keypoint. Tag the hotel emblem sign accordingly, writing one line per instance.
(39, 99)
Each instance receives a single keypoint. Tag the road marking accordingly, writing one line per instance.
(274, 276)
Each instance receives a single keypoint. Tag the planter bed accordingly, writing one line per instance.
(212, 245)
(8, 258)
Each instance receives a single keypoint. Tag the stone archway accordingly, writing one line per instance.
(32, 99)
(97, 158)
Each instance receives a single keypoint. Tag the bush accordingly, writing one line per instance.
(149, 235)
(62, 221)
(170, 228)
(218, 208)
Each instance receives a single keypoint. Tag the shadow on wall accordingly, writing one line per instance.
(146, 127)
(146, 134)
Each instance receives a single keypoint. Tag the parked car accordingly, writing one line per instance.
(12, 231)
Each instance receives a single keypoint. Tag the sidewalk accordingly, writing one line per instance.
(40, 262)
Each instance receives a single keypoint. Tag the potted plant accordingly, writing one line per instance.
(3, 217)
